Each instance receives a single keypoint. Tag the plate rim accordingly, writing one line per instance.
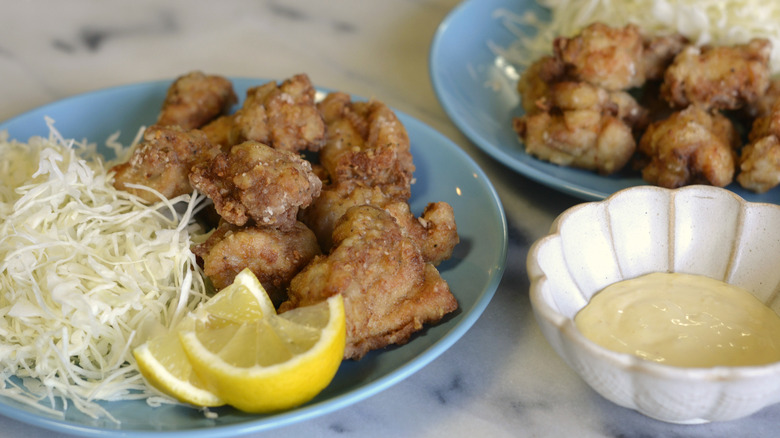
(323, 407)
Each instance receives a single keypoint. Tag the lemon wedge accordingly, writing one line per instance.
(256, 360)
(162, 360)
(163, 363)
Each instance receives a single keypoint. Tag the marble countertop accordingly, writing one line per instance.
(501, 378)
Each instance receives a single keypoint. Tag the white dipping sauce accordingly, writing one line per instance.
(682, 320)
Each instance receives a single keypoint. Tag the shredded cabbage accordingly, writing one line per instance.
(87, 272)
(718, 22)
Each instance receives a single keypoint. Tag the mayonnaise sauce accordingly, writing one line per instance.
(682, 320)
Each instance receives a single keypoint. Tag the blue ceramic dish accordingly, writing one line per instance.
(477, 88)
(444, 173)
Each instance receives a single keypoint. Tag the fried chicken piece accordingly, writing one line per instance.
(628, 110)
(659, 52)
(283, 116)
(163, 161)
(334, 200)
(692, 146)
(583, 128)
(389, 291)
(762, 106)
(366, 142)
(543, 89)
(760, 158)
(257, 182)
(582, 138)
(220, 131)
(534, 84)
(434, 232)
(607, 57)
(195, 99)
(574, 96)
(728, 77)
(274, 256)
(760, 164)
(768, 124)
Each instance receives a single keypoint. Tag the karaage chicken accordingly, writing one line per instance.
(692, 146)
(162, 162)
(273, 255)
(584, 126)
(283, 116)
(728, 77)
(604, 56)
(389, 291)
(195, 99)
(534, 84)
(366, 142)
(434, 232)
(762, 106)
(259, 183)
(760, 158)
(658, 53)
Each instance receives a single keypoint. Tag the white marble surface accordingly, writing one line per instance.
(501, 378)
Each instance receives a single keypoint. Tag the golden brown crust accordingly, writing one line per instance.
(273, 255)
(434, 232)
(366, 143)
(389, 291)
(718, 77)
(283, 116)
(162, 161)
(195, 99)
(610, 58)
(691, 146)
(254, 182)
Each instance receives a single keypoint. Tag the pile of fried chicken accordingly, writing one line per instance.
(308, 229)
(610, 98)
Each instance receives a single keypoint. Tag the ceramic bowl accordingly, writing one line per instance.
(698, 230)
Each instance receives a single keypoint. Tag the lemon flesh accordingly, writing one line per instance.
(165, 366)
(240, 347)
(256, 360)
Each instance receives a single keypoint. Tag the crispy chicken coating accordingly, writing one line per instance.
(275, 256)
(584, 126)
(760, 158)
(220, 132)
(256, 182)
(162, 161)
(583, 138)
(389, 291)
(366, 142)
(434, 232)
(573, 96)
(534, 84)
(283, 116)
(760, 164)
(728, 77)
(762, 106)
(692, 146)
(607, 57)
(195, 99)
(659, 52)
(655, 56)
(334, 200)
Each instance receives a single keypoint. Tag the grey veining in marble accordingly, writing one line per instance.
(501, 379)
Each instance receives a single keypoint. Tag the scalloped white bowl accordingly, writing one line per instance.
(699, 230)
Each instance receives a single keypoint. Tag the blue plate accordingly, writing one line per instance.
(444, 173)
(477, 89)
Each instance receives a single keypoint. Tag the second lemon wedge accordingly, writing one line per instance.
(244, 354)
